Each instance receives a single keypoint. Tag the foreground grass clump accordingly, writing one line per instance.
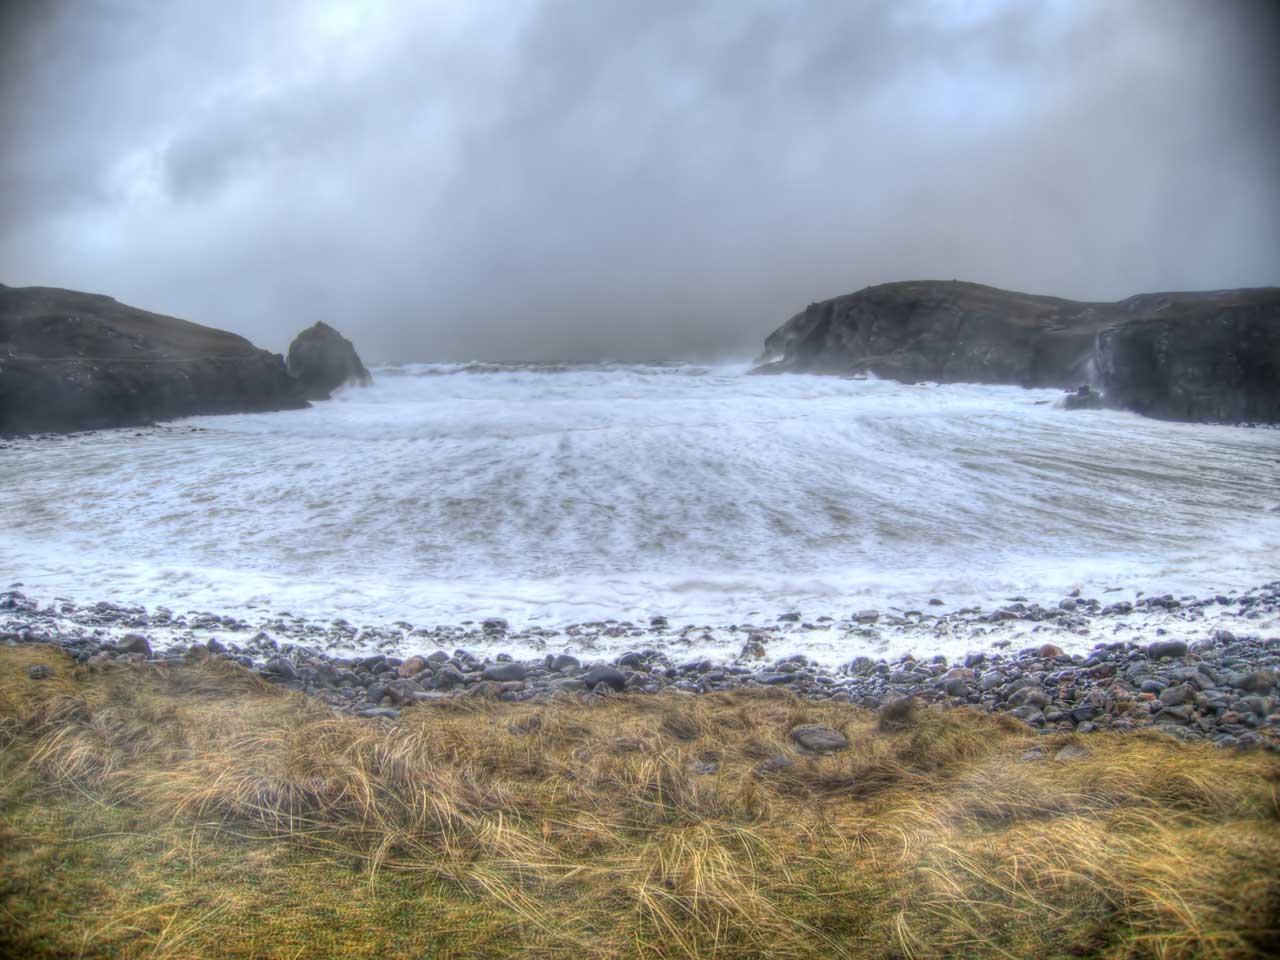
(195, 811)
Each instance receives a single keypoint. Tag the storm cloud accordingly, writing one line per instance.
(626, 180)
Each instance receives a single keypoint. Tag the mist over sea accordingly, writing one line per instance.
(555, 494)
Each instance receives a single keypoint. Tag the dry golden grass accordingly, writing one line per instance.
(195, 811)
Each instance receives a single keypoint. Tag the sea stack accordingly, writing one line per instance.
(322, 360)
(82, 361)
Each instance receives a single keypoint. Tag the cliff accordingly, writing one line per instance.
(1185, 356)
(78, 361)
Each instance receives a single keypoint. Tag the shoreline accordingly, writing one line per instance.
(1159, 661)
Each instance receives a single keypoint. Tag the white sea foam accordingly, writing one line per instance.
(551, 494)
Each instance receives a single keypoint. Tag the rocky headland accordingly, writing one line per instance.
(1206, 356)
(74, 361)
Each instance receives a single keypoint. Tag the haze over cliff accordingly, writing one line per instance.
(581, 180)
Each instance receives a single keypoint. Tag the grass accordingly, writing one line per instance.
(195, 811)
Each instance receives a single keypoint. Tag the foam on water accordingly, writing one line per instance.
(551, 494)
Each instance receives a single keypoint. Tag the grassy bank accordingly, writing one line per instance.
(195, 811)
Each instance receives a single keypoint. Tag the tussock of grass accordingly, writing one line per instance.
(196, 811)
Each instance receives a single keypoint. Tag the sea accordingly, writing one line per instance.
(557, 494)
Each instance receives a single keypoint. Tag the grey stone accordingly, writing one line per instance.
(447, 677)
(134, 643)
(403, 691)
(775, 678)
(990, 680)
(1031, 696)
(563, 663)
(819, 738)
(610, 676)
(1174, 696)
(280, 667)
(955, 687)
(1166, 648)
(389, 713)
(1028, 713)
(1259, 681)
(504, 672)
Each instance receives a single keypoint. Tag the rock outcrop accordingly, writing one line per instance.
(322, 360)
(1196, 356)
(1184, 356)
(79, 361)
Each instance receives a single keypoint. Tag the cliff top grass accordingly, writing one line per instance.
(196, 811)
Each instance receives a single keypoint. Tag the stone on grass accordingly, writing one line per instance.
(819, 738)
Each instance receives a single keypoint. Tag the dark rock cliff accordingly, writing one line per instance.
(1196, 356)
(322, 360)
(80, 361)
(1189, 356)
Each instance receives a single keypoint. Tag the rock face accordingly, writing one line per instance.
(322, 360)
(1196, 356)
(1185, 356)
(79, 361)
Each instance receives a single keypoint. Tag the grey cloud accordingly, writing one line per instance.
(631, 180)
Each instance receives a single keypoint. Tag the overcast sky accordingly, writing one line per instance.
(539, 179)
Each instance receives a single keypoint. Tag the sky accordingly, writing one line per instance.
(626, 179)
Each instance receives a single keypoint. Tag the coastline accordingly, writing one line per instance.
(1195, 668)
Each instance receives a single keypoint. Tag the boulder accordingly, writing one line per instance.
(81, 361)
(322, 360)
